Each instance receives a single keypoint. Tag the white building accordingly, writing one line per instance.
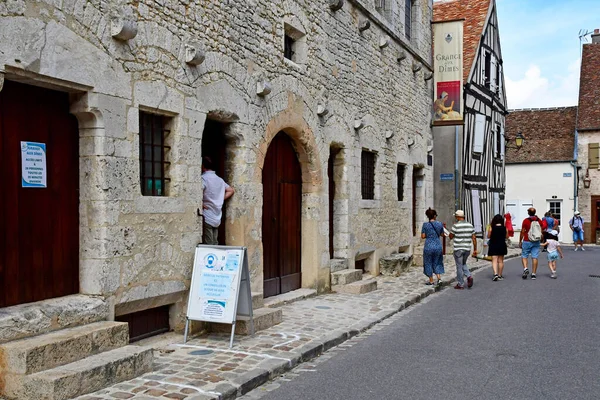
(542, 173)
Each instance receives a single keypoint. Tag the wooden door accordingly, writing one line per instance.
(39, 227)
(281, 223)
(595, 222)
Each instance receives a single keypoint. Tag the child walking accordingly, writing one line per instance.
(554, 251)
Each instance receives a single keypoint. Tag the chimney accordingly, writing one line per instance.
(596, 36)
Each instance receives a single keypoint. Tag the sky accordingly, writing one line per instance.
(541, 49)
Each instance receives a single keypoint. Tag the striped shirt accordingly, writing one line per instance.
(463, 234)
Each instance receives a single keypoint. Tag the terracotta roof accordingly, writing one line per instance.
(589, 88)
(474, 12)
(549, 134)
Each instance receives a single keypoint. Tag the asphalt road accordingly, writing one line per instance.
(513, 339)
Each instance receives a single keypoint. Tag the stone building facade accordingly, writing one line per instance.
(356, 79)
(588, 139)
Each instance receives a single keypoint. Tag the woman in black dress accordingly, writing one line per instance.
(497, 234)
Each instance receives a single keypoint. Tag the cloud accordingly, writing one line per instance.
(536, 88)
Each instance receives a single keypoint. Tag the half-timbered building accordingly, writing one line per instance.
(469, 157)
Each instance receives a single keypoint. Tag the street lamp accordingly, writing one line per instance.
(519, 140)
(587, 181)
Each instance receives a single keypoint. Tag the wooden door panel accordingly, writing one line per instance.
(40, 226)
(289, 238)
(282, 195)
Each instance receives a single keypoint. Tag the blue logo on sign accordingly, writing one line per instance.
(210, 260)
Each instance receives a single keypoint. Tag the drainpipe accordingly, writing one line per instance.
(574, 164)
(456, 154)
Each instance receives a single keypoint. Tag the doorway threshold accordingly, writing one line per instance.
(289, 297)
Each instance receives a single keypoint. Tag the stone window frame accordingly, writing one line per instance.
(168, 124)
(299, 45)
(385, 8)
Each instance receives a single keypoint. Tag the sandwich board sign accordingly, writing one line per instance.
(220, 287)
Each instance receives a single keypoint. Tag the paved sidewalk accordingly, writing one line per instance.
(205, 367)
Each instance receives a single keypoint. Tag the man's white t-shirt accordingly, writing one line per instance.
(213, 197)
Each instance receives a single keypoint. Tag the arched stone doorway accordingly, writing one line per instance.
(281, 221)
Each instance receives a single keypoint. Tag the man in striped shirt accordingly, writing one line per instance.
(463, 235)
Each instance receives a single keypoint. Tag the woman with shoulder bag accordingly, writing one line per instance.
(433, 258)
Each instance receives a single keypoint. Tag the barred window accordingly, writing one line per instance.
(153, 164)
(400, 176)
(367, 173)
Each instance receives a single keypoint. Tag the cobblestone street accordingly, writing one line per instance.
(206, 368)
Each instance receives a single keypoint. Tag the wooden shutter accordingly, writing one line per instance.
(502, 143)
(493, 74)
(479, 133)
(496, 203)
(512, 207)
(593, 154)
(477, 222)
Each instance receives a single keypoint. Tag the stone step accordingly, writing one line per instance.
(83, 376)
(360, 287)
(39, 353)
(264, 318)
(32, 319)
(337, 264)
(258, 300)
(289, 297)
(346, 276)
(395, 264)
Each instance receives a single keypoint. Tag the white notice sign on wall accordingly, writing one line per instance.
(33, 165)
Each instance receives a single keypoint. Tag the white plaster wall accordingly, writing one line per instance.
(539, 182)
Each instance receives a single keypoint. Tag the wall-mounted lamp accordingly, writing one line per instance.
(587, 181)
(519, 140)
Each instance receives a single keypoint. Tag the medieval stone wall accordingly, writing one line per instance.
(138, 250)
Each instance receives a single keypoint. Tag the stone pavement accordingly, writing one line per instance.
(205, 367)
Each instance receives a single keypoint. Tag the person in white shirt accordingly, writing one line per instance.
(576, 225)
(554, 251)
(215, 192)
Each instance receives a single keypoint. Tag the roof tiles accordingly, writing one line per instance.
(549, 134)
(589, 88)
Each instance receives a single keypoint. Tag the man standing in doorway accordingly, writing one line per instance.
(463, 235)
(576, 225)
(529, 242)
(215, 192)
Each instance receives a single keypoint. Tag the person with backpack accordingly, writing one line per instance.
(529, 242)
(576, 225)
